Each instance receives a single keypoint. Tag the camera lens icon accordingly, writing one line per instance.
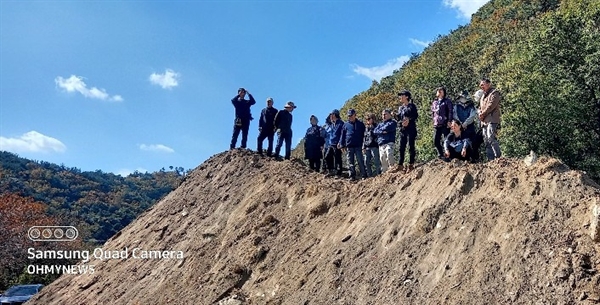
(52, 233)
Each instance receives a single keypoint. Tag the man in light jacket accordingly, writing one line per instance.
(489, 114)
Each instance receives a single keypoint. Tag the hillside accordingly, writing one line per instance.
(257, 231)
(103, 202)
(543, 55)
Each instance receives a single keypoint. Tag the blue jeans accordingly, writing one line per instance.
(287, 137)
(372, 153)
(355, 152)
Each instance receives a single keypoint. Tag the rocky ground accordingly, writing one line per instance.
(256, 231)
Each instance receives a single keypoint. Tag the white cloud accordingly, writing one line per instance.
(378, 72)
(126, 172)
(76, 84)
(465, 7)
(157, 148)
(32, 141)
(167, 80)
(420, 43)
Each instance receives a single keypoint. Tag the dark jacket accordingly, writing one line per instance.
(353, 134)
(409, 112)
(442, 112)
(455, 143)
(267, 119)
(389, 127)
(370, 139)
(283, 121)
(313, 141)
(242, 107)
(465, 113)
(334, 133)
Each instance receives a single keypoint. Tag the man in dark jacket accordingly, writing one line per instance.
(371, 147)
(266, 129)
(334, 154)
(243, 116)
(313, 144)
(466, 114)
(407, 118)
(351, 140)
(441, 112)
(283, 126)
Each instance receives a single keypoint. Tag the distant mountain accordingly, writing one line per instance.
(544, 57)
(99, 203)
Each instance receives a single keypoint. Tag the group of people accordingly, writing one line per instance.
(459, 128)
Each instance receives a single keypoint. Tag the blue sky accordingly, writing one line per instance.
(140, 85)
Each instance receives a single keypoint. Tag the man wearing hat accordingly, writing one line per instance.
(333, 157)
(352, 140)
(283, 126)
(489, 114)
(266, 129)
(243, 116)
(466, 114)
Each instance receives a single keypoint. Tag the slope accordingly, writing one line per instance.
(257, 231)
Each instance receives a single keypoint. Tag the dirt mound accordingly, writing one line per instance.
(256, 231)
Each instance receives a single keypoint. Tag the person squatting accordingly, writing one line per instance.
(459, 129)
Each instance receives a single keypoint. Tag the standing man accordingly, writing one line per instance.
(351, 140)
(407, 118)
(466, 114)
(441, 112)
(386, 138)
(313, 144)
(266, 129)
(334, 134)
(489, 114)
(283, 126)
(243, 116)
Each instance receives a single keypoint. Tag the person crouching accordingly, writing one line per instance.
(457, 144)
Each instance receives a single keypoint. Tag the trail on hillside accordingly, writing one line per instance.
(257, 231)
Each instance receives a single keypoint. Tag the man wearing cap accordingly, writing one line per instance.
(386, 137)
(265, 127)
(283, 126)
(489, 114)
(352, 140)
(407, 117)
(243, 116)
(466, 114)
(334, 154)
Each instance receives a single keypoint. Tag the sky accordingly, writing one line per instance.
(121, 86)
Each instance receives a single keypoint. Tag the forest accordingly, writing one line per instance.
(98, 204)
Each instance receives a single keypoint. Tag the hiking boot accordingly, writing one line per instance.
(396, 168)
(410, 167)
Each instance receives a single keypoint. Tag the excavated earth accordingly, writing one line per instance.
(256, 231)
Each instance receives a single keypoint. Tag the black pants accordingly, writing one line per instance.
(476, 143)
(408, 136)
(236, 132)
(457, 155)
(334, 159)
(287, 137)
(439, 135)
(315, 164)
(265, 134)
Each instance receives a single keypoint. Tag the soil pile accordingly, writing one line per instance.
(256, 231)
